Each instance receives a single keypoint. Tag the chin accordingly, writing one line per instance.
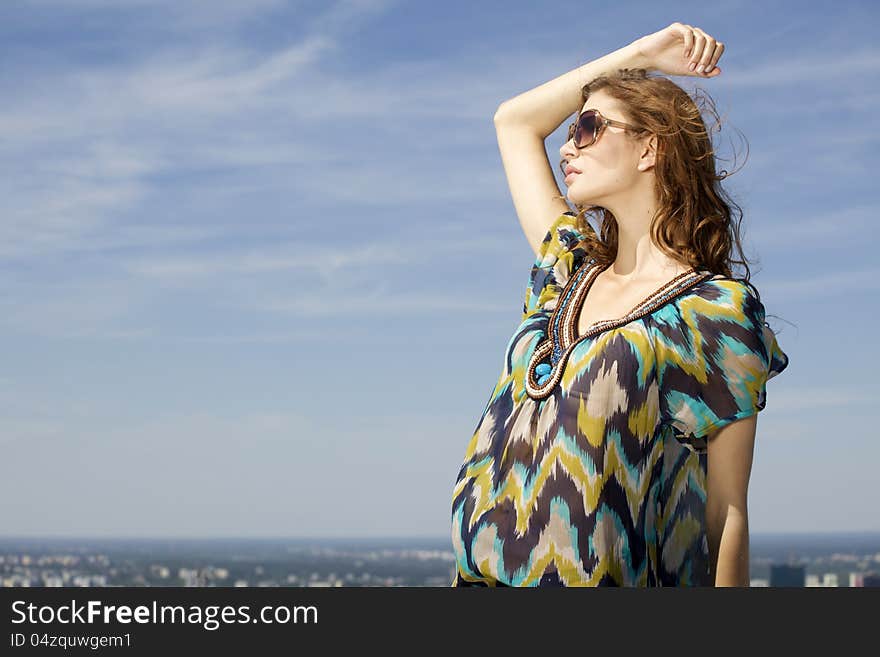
(588, 200)
(580, 201)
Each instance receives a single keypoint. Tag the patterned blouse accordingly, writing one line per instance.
(588, 465)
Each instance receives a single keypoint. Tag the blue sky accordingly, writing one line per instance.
(260, 262)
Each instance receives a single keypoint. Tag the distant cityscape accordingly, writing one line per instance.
(799, 560)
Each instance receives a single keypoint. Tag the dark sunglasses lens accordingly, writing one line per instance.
(585, 130)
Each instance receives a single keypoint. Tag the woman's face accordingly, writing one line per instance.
(609, 167)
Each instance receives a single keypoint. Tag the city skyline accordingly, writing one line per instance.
(775, 560)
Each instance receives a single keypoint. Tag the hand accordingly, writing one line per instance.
(673, 49)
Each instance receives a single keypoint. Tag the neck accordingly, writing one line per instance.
(637, 256)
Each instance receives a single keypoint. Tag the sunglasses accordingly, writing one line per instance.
(589, 126)
(587, 129)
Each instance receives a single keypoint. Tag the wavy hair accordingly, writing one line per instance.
(696, 220)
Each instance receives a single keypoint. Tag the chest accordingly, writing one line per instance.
(604, 300)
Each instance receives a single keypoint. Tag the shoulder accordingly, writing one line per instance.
(561, 253)
(563, 237)
(723, 297)
(719, 284)
(716, 308)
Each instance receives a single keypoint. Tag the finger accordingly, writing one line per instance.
(708, 53)
(719, 49)
(685, 30)
(699, 42)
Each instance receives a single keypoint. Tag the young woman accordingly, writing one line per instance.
(616, 447)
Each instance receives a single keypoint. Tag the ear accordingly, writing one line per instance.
(648, 154)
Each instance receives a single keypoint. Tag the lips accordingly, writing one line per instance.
(570, 169)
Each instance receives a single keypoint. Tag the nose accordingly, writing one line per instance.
(568, 153)
(567, 150)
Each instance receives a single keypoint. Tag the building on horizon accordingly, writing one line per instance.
(871, 579)
(787, 575)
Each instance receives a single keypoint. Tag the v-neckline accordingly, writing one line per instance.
(582, 290)
(562, 335)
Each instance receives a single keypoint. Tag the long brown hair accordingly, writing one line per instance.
(696, 222)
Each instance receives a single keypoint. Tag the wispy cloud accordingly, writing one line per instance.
(296, 256)
(167, 14)
(837, 282)
(74, 309)
(323, 259)
(822, 399)
(94, 146)
(815, 227)
(379, 301)
(811, 66)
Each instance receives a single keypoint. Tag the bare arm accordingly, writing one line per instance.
(525, 121)
(730, 452)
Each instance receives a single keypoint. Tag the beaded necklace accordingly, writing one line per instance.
(548, 360)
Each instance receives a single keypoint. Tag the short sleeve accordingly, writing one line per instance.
(558, 257)
(715, 354)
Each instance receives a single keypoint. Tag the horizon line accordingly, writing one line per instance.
(386, 537)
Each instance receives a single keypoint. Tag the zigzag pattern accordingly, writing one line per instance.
(603, 482)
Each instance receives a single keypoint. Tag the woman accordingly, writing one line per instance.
(616, 447)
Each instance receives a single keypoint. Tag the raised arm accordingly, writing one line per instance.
(523, 122)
